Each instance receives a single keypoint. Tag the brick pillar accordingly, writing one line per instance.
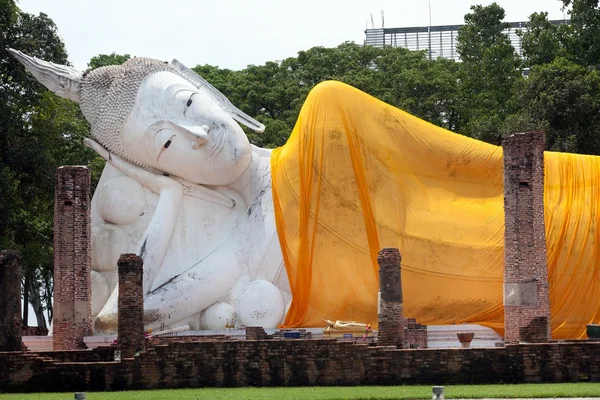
(131, 305)
(526, 298)
(72, 258)
(10, 301)
(391, 328)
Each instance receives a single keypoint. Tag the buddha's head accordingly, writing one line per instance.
(160, 116)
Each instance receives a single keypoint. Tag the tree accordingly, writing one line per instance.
(563, 99)
(543, 41)
(38, 133)
(103, 60)
(585, 24)
(488, 73)
(423, 87)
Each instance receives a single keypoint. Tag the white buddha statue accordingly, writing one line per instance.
(184, 189)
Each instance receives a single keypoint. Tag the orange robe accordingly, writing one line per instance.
(357, 175)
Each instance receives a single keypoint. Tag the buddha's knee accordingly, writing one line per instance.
(217, 317)
(260, 304)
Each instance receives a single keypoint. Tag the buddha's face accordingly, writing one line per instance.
(176, 128)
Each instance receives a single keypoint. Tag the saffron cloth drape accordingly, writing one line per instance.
(358, 175)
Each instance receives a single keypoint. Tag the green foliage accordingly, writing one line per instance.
(543, 41)
(38, 133)
(103, 60)
(427, 89)
(484, 28)
(585, 23)
(564, 98)
(488, 74)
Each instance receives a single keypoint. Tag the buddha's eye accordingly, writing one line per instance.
(190, 101)
(165, 146)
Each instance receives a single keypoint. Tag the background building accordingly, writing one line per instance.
(438, 41)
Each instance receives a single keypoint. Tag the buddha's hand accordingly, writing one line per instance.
(153, 181)
(155, 240)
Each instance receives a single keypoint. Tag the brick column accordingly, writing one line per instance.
(10, 301)
(72, 313)
(526, 298)
(391, 328)
(131, 305)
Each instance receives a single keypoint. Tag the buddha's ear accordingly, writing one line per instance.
(218, 97)
(60, 79)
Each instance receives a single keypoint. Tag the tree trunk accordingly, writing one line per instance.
(38, 307)
(26, 301)
(48, 299)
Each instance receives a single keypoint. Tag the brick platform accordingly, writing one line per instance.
(72, 258)
(526, 298)
(390, 331)
(295, 363)
(10, 301)
(131, 304)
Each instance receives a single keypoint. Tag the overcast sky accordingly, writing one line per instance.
(235, 33)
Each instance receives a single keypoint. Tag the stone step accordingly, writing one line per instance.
(438, 336)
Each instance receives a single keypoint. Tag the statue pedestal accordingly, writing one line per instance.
(339, 333)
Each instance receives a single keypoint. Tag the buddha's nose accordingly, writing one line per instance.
(198, 135)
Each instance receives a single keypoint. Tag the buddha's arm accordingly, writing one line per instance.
(156, 238)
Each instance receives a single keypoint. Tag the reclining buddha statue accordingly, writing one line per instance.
(232, 232)
(184, 189)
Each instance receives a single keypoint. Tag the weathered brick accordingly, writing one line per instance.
(390, 331)
(10, 301)
(526, 297)
(131, 304)
(72, 313)
(231, 363)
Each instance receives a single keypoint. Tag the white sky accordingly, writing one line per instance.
(235, 33)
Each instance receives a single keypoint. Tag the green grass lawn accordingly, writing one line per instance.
(335, 393)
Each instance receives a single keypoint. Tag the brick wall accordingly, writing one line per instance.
(34, 331)
(164, 340)
(415, 335)
(10, 301)
(131, 304)
(72, 257)
(390, 331)
(295, 363)
(526, 298)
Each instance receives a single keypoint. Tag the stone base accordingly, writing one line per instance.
(69, 335)
(340, 333)
(526, 325)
